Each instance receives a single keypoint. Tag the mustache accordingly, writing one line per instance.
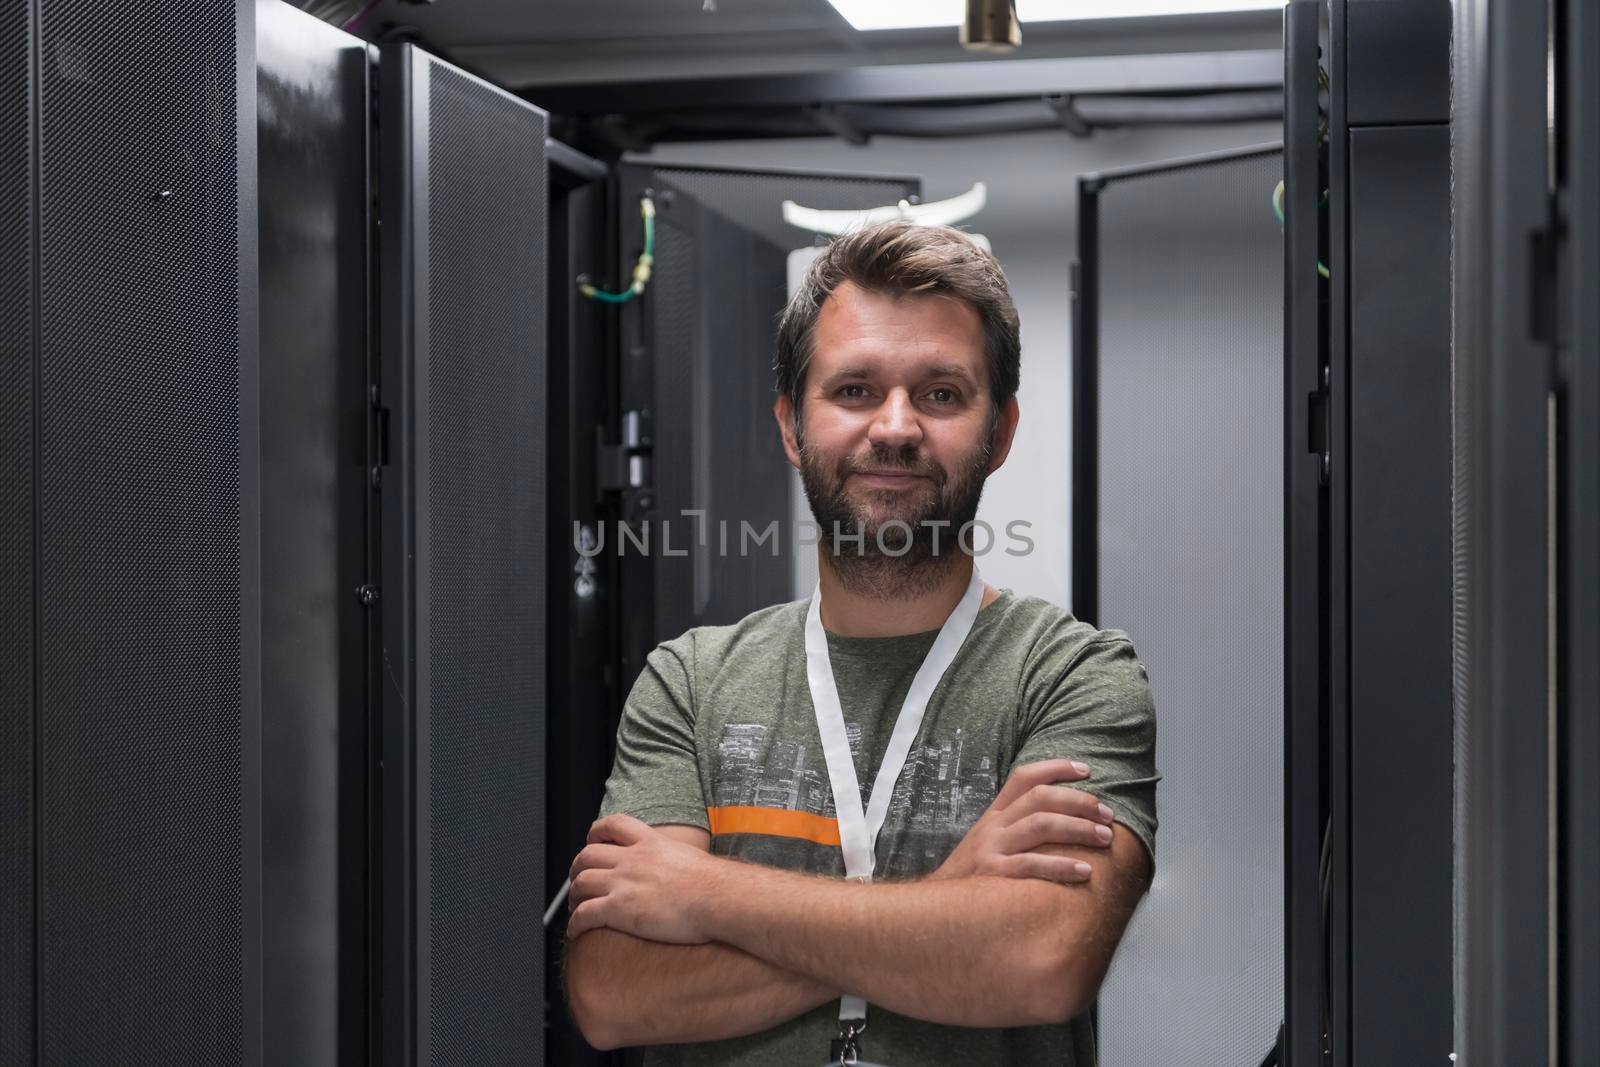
(893, 465)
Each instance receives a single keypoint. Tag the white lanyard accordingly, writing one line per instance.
(858, 830)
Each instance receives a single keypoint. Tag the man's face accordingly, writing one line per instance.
(896, 418)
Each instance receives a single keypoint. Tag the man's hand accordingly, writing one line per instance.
(633, 878)
(1030, 813)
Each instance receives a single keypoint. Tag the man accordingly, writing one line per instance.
(977, 924)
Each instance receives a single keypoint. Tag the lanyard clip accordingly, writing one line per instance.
(846, 1048)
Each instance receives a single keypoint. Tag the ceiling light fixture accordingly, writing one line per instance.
(991, 27)
(911, 14)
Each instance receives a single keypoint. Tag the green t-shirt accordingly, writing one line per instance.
(719, 732)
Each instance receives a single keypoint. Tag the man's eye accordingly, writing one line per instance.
(853, 392)
(943, 396)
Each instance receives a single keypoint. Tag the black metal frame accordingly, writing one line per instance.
(403, 506)
(1178, 72)
(634, 390)
(570, 168)
(1578, 561)
(1505, 373)
(1100, 178)
(1306, 522)
(582, 681)
(1338, 933)
(1084, 549)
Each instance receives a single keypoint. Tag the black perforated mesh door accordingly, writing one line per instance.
(147, 598)
(16, 540)
(470, 351)
(1189, 460)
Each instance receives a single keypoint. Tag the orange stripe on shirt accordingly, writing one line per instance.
(775, 822)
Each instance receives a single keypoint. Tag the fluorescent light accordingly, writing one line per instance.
(908, 14)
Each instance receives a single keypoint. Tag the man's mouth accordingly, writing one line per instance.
(891, 479)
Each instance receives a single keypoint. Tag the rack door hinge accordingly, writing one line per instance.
(1317, 431)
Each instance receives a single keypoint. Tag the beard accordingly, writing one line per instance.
(906, 563)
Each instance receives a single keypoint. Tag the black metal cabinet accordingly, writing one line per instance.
(1389, 716)
(130, 534)
(462, 377)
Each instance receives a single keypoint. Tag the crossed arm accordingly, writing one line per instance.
(671, 944)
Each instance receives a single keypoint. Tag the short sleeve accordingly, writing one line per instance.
(1089, 700)
(656, 775)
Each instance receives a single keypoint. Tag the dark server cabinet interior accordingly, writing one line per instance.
(696, 374)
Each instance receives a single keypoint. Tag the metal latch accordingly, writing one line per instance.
(624, 466)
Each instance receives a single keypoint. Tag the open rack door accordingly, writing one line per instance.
(1178, 540)
(462, 390)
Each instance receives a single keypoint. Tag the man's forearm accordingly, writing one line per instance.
(975, 951)
(628, 991)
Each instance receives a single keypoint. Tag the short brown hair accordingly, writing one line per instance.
(901, 257)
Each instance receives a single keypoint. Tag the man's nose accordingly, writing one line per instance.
(895, 424)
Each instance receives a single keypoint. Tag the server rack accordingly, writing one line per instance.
(130, 527)
(462, 389)
(359, 507)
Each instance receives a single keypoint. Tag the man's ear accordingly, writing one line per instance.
(783, 412)
(1005, 431)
